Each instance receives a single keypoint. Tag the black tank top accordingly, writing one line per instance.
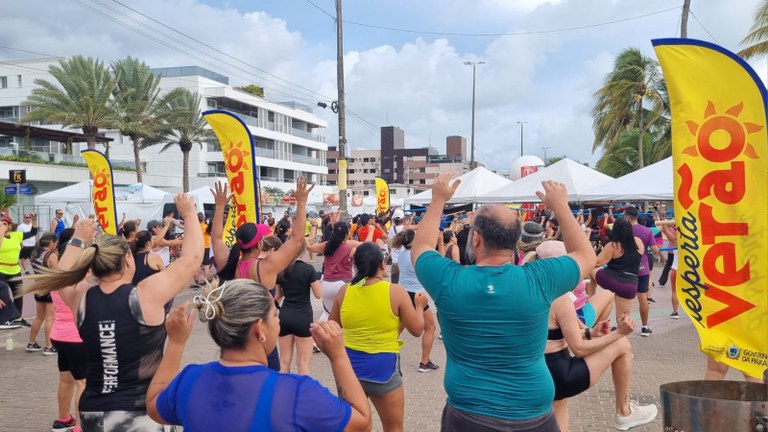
(123, 352)
(143, 270)
(627, 264)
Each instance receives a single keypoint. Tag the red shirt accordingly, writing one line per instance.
(362, 234)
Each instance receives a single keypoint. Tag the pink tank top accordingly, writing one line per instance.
(64, 329)
(338, 267)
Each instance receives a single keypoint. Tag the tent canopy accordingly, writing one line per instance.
(81, 192)
(654, 182)
(473, 184)
(576, 177)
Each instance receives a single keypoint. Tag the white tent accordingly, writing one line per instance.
(654, 182)
(473, 184)
(138, 201)
(576, 177)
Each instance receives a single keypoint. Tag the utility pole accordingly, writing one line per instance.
(342, 176)
(472, 133)
(521, 123)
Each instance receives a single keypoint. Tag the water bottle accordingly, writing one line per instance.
(9, 342)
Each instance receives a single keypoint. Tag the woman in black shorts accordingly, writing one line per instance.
(595, 350)
(46, 247)
(294, 285)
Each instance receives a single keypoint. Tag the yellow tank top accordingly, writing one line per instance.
(368, 321)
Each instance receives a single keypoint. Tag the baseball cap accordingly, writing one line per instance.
(398, 215)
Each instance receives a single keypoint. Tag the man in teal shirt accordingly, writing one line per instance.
(493, 315)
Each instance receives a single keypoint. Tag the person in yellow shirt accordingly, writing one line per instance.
(372, 312)
(10, 248)
(206, 266)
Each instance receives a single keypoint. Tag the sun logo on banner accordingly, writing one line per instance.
(711, 135)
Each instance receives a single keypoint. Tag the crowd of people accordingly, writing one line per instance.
(522, 320)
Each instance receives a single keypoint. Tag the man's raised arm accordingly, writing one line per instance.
(429, 227)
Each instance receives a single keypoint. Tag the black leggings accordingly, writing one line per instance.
(9, 312)
(667, 267)
(570, 374)
(16, 290)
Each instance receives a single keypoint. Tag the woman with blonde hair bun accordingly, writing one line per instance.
(239, 392)
(121, 324)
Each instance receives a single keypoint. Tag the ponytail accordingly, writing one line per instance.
(368, 259)
(228, 272)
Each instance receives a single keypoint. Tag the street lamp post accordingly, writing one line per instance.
(472, 133)
(521, 123)
(545, 153)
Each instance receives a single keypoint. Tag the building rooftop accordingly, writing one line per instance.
(182, 71)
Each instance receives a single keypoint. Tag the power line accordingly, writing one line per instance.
(519, 33)
(702, 25)
(219, 51)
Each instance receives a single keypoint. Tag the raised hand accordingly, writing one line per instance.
(85, 229)
(220, 196)
(179, 324)
(626, 325)
(185, 204)
(302, 191)
(421, 300)
(555, 195)
(442, 188)
(329, 337)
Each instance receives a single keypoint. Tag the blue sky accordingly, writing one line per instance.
(415, 81)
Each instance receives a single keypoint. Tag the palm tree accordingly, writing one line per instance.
(183, 125)
(623, 157)
(82, 98)
(632, 97)
(756, 40)
(138, 103)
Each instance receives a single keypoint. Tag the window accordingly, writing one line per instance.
(270, 116)
(18, 80)
(422, 181)
(212, 103)
(3, 82)
(409, 158)
(331, 160)
(333, 171)
(366, 193)
(422, 170)
(351, 171)
(386, 170)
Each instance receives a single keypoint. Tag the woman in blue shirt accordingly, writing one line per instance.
(239, 392)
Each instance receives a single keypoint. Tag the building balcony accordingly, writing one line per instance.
(13, 154)
(266, 124)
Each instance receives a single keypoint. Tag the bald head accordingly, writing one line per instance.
(499, 227)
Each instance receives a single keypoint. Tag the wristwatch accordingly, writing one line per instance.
(76, 242)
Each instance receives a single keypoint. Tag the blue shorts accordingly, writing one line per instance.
(587, 315)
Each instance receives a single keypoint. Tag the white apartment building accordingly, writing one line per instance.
(289, 138)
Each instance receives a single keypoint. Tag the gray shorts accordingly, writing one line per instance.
(373, 388)
(455, 420)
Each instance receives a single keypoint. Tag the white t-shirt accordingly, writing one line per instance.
(393, 231)
(25, 228)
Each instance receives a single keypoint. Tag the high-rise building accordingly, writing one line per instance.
(456, 148)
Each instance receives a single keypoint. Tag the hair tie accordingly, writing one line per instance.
(95, 246)
(210, 309)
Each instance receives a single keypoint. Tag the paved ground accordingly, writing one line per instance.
(29, 380)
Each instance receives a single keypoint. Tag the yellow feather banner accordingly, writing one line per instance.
(103, 190)
(240, 165)
(720, 158)
(382, 196)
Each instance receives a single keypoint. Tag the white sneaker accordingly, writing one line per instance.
(639, 415)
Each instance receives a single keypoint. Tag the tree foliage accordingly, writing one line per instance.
(756, 40)
(81, 97)
(183, 126)
(253, 89)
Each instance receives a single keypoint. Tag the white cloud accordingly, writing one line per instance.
(416, 82)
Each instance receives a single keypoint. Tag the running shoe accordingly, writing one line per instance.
(645, 331)
(428, 367)
(639, 415)
(49, 351)
(8, 325)
(32, 347)
(64, 426)
(651, 300)
(674, 315)
(22, 321)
